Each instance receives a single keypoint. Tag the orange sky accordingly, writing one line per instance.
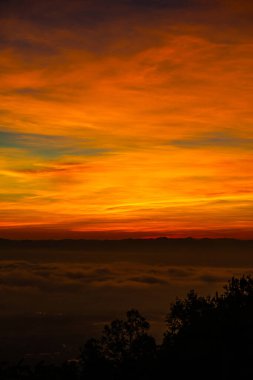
(129, 118)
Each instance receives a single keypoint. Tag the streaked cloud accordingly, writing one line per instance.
(214, 140)
(48, 146)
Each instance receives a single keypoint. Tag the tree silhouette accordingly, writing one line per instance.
(214, 333)
(124, 345)
(206, 338)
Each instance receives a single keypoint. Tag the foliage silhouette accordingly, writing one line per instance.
(124, 345)
(206, 338)
(216, 333)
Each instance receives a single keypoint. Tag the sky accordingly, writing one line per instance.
(126, 118)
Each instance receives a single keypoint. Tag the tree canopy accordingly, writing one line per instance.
(206, 337)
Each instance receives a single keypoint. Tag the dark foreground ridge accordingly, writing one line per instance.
(205, 338)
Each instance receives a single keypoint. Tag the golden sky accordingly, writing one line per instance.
(126, 118)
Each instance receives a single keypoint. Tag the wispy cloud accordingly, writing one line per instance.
(213, 140)
(49, 146)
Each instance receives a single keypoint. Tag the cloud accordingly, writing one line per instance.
(61, 278)
(180, 272)
(213, 140)
(212, 278)
(149, 280)
(7, 197)
(30, 91)
(48, 146)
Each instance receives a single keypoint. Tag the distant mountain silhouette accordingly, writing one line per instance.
(188, 251)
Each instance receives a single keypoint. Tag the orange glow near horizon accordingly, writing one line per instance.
(133, 123)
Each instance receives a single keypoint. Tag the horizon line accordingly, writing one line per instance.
(160, 238)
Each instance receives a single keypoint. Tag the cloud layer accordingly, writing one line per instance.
(23, 276)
